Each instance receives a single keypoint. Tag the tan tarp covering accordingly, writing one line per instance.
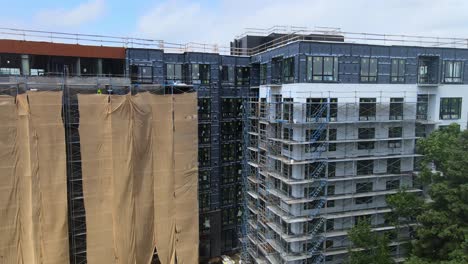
(139, 184)
(33, 187)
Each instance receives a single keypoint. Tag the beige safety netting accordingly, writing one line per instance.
(140, 177)
(33, 187)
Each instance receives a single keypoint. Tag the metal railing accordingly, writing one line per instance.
(289, 34)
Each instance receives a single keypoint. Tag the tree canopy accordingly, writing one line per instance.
(442, 233)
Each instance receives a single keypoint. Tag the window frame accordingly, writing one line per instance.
(449, 107)
(365, 75)
(400, 77)
(288, 70)
(451, 65)
(312, 76)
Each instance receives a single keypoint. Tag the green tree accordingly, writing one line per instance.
(442, 233)
(368, 246)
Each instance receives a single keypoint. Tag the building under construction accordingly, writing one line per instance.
(301, 134)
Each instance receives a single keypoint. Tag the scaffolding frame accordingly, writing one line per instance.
(273, 149)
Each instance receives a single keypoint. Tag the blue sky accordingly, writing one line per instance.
(217, 21)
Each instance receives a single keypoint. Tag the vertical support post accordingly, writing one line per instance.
(25, 69)
(99, 67)
(78, 67)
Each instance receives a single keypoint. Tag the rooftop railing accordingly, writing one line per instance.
(289, 34)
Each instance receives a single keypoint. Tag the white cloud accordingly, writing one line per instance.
(84, 13)
(184, 20)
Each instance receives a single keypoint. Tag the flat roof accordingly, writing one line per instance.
(60, 49)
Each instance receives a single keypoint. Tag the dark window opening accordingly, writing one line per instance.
(204, 108)
(227, 74)
(314, 170)
(398, 71)
(421, 106)
(331, 169)
(365, 167)
(450, 108)
(174, 72)
(231, 152)
(363, 200)
(428, 68)
(395, 132)
(366, 145)
(88, 67)
(200, 73)
(288, 108)
(243, 76)
(204, 180)
(114, 67)
(322, 69)
(10, 64)
(204, 202)
(394, 166)
(231, 107)
(288, 70)
(452, 71)
(313, 135)
(392, 185)
(228, 195)
(142, 74)
(277, 70)
(366, 133)
(367, 108)
(364, 187)
(396, 109)
(333, 109)
(231, 173)
(204, 133)
(316, 108)
(369, 70)
(204, 157)
(231, 130)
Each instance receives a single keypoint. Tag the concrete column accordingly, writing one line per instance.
(25, 70)
(99, 67)
(78, 67)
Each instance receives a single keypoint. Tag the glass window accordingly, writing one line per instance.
(288, 70)
(366, 133)
(392, 184)
(364, 187)
(227, 74)
(243, 76)
(452, 71)
(450, 108)
(421, 106)
(322, 69)
(173, 72)
(367, 108)
(365, 167)
(204, 133)
(396, 109)
(369, 69)
(277, 70)
(394, 166)
(395, 132)
(398, 71)
(288, 109)
(142, 74)
(364, 200)
(204, 108)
